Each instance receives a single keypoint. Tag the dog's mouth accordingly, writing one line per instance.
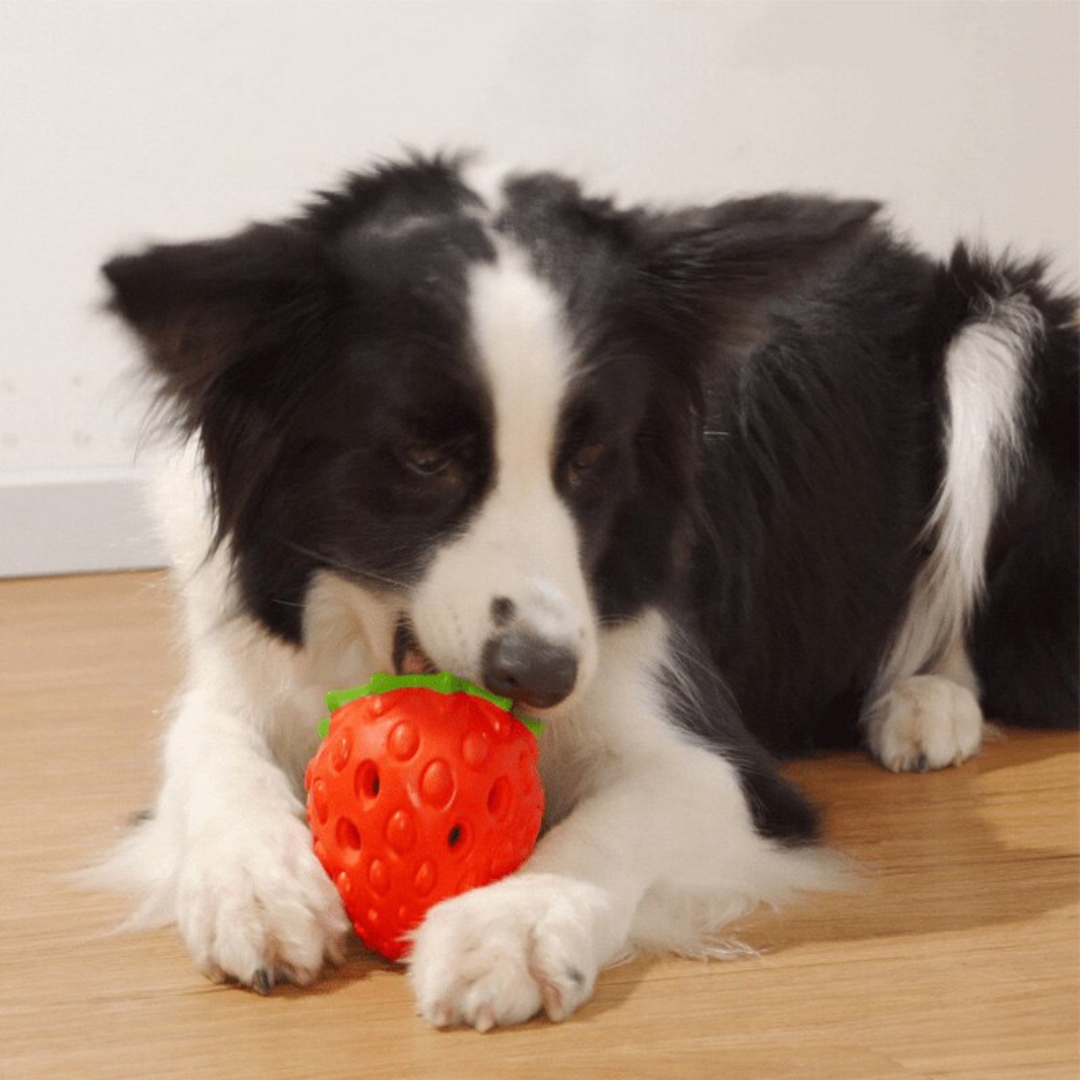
(408, 658)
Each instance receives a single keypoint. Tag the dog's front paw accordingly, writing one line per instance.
(925, 722)
(500, 954)
(253, 904)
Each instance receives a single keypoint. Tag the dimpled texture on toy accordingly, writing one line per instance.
(424, 787)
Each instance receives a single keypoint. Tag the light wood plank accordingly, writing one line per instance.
(958, 958)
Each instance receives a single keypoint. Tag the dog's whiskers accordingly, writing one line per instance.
(340, 564)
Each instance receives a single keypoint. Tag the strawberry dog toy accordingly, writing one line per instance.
(425, 786)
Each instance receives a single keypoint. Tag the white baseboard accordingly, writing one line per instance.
(75, 523)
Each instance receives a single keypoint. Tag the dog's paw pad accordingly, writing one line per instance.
(925, 722)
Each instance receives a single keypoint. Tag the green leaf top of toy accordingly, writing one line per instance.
(443, 682)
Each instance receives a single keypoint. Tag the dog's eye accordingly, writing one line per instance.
(428, 460)
(584, 459)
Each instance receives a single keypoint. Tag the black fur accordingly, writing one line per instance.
(311, 357)
(1025, 634)
(765, 377)
(821, 456)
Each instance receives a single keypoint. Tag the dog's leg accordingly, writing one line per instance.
(651, 809)
(930, 720)
(923, 711)
(252, 901)
(226, 853)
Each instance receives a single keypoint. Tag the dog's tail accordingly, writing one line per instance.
(1023, 625)
(999, 582)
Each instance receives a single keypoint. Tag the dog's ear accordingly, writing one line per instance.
(721, 263)
(221, 310)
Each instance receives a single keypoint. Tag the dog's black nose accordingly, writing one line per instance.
(528, 669)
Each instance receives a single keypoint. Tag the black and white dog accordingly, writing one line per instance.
(697, 487)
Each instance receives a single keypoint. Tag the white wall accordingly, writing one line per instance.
(122, 121)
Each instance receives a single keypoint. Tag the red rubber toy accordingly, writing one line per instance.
(424, 787)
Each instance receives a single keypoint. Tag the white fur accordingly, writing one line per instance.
(227, 854)
(986, 385)
(927, 722)
(523, 544)
(656, 846)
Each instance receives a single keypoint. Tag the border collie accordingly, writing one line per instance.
(700, 488)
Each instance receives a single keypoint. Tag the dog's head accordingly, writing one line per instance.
(484, 410)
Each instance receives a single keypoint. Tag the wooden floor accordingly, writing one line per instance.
(960, 958)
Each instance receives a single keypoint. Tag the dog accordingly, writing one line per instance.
(701, 488)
